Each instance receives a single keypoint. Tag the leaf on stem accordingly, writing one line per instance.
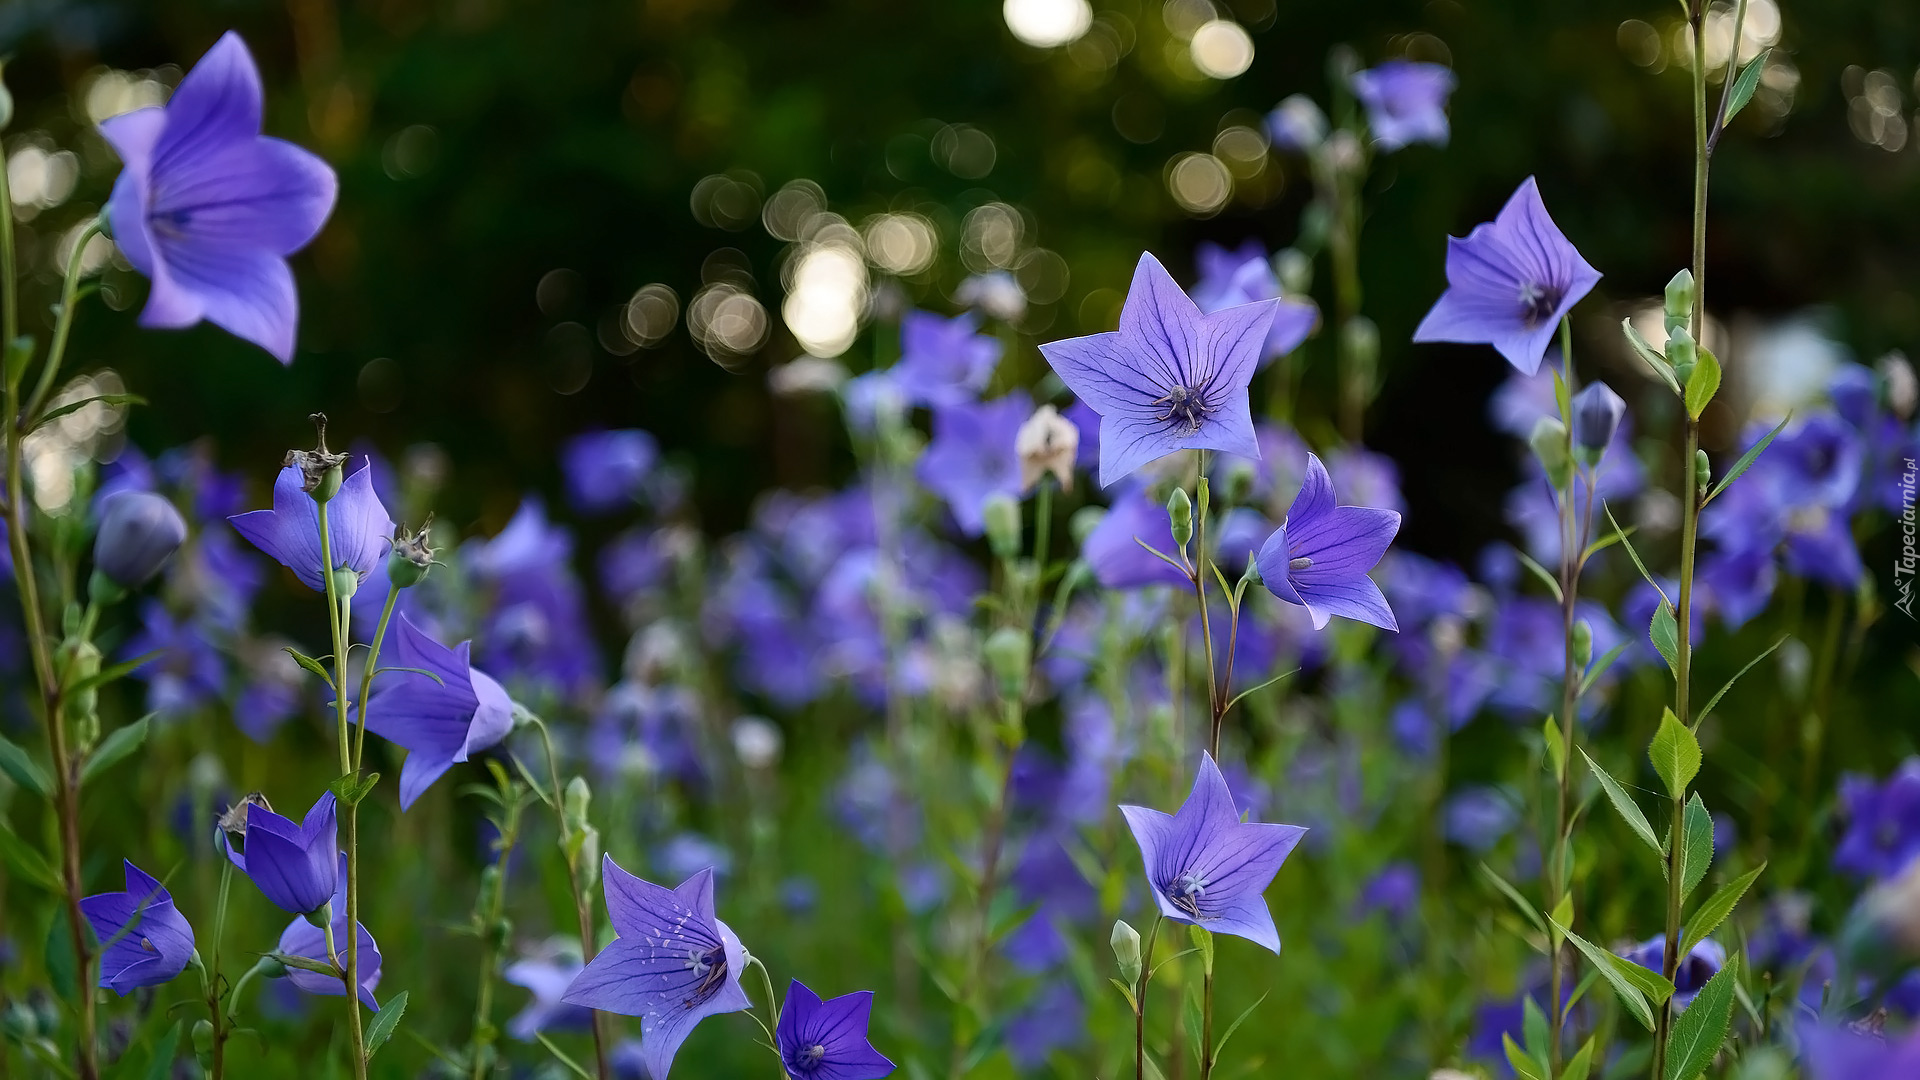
(1744, 86)
(1600, 668)
(115, 747)
(1746, 460)
(71, 407)
(1703, 383)
(1652, 356)
(382, 1027)
(1524, 1067)
(23, 769)
(1699, 1031)
(25, 860)
(1664, 632)
(1675, 753)
(1541, 573)
(1711, 914)
(160, 1066)
(1632, 554)
(1637, 988)
(1696, 849)
(1520, 902)
(1722, 692)
(1627, 808)
(1221, 1046)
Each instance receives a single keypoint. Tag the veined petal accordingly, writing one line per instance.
(1276, 570)
(247, 292)
(1162, 324)
(1103, 371)
(1152, 831)
(1235, 340)
(217, 102)
(1134, 437)
(1347, 540)
(1247, 917)
(253, 193)
(1355, 598)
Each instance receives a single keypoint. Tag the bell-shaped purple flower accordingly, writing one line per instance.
(974, 456)
(1406, 102)
(293, 865)
(673, 964)
(1207, 867)
(209, 209)
(1597, 412)
(943, 361)
(1320, 557)
(827, 1040)
(139, 531)
(1509, 282)
(442, 717)
(1170, 378)
(144, 939)
(359, 530)
(1703, 962)
(302, 938)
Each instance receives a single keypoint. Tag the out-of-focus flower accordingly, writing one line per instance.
(547, 977)
(997, 293)
(1113, 548)
(1048, 443)
(1170, 378)
(1844, 1053)
(1394, 891)
(302, 938)
(439, 706)
(1208, 868)
(974, 456)
(139, 532)
(359, 530)
(1297, 125)
(1509, 283)
(1406, 102)
(1319, 558)
(294, 866)
(185, 669)
(1883, 823)
(535, 622)
(1245, 276)
(209, 209)
(1701, 963)
(1478, 817)
(1054, 1018)
(827, 1040)
(673, 964)
(606, 469)
(943, 361)
(145, 940)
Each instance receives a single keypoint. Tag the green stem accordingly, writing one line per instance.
(9, 275)
(1557, 883)
(63, 322)
(339, 614)
(490, 940)
(239, 991)
(367, 673)
(1206, 1025)
(582, 904)
(1197, 573)
(1140, 1002)
(217, 1067)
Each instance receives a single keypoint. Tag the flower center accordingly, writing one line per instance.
(1186, 893)
(1300, 563)
(1537, 302)
(711, 966)
(1184, 405)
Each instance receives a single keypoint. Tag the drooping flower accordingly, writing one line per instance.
(1509, 282)
(1701, 963)
(145, 940)
(209, 209)
(1406, 102)
(359, 531)
(1170, 378)
(943, 361)
(673, 964)
(605, 469)
(302, 938)
(1208, 868)
(1320, 556)
(441, 717)
(975, 455)
(827, 1040)
(139, 531)
(293, 865)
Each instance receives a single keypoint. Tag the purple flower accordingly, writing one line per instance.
(1843, 1053)
(1170, 378)
(672, 964)
(535, 627)
(1406, 102)
(1883, 823)
(1297, 125)
(293, 865)
(943, 361)
(1509, 283)
(605, 469)
(1703, 962)
(209, 209)
(974, 456)
(359, 530)
(548, 979)
(1208, 868)
(1054, 1018)
(1478, 817)
(139, 531)
(1395, 890)
(1113, 550)
(827, 1040)
(1244, 276)
(145, 941)
(302, 938)
(1320, 557)
(1596, 416)
(442, 717)
(186, 672)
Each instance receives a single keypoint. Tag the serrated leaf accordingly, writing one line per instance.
(23, 769)
(27, 861)
(1651, 355)
(1703, 383)
(1664, 632)
(1699, 1032)
(1524, 1067)
(1513, 894)
(309, 663)
(1675, 753)
(1627, 808)
(1744, 85)
(1221, 1046)
(1722, 692)
(382, 1027)
(1746, 460)
(1708, 917)
(114, 748)
(1580, 1064)
(1696, 851)
(1637, 988)
(1562, 914)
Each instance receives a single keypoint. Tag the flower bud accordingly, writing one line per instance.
(1702, 471)
(203, 1037)
(1180, 516)
(589, 858)
(139, 531)
(1596, 416)
(1681, 353)
(321, 471)
(578, 800)
(411, 556)
(1679, 301)
(1002, 515)
(1549, 442)
(1126, 951)
(1583, 643)
(1009, 652)
(1083, 522)
(1047, 445)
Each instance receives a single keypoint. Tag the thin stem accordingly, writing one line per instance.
(63, 322)
(582, 906)
(217, 1067)
(483, 1033)
(9, 276)
(367, 673)
(1197, 573)
(1206, 1025)
(339, 615)
(1140, 1002)
(773, 1013)
(1558, 960)
(239, 991)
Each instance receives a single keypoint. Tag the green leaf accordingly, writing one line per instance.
(318, 967)
(115, 747)
(1703, 383)
(1632, 984)
(1533, 1024)
(382, 1027)
(1652, 356)
(1606, 542)
(1126, 992)
(1524, 1067)
(20, 766)
(1628, 809)
(411, 671)
(1722, 692)
(1556, 747)
(1746, 460)
(1634, 555)
(1708, 917)
(1699, 1032)
(75, 406)
(1696, 852)
(1665, 635)
(309, 663)
(161, 1067)
(1580, 1064)
(1541, 573)
(1513, 894)
(1675, 753)
(1744, 86)
(1221, 1046)
(1202, 943)
(560, 1056)
(110, 673)
(1600, 668)
(355, 787)
(63, 967)
(1256, 688)
(27, 861)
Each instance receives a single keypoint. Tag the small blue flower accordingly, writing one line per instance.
(1406, 102)
(295, 866)
(1319, 558)
(974, 456)
(145, 939)
(442, 717)
(827, 1040)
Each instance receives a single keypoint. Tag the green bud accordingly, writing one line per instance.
(1084, 521)
(345, 582)
(1009, 652)
(1252, 574)
(321, 917)
(1180, 515)
(411, 556)
(1583, 643)
(270, 968)
(1126, 951)
(203, 1037)
(589, 858)
(1003, 526)
(1682, 353)
(1549, 442)
(1702, 471)
(1679, 302)
(577, 801)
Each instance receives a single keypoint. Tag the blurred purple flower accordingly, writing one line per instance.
(1883, 823)
(185, 671)
(1597, 411)
(145, 940)
(1053, 1019)
(1701, 963)
(359, 531)
(1394, 891)
(606, 469)
(139, 531)
(827, 1040)
(548, 978)
(1113, 550)
(442, 711)
(943, 361)
(1406, 102)
(1245, 276)
(1843, 1053)
(535, 624)
(1297, 125)
(1319, 558)
(1477, 818)
(973, 456)
(302, 938)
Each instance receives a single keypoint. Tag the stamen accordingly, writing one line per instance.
(1300, 563)
(1185, 405)
(1537, 302)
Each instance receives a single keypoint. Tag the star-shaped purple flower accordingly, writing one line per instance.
(440, 718)
(302, 938)
(1245, 276)
(359, 529)
(827, 1040)
(1406, 102)
(209, 209)
(1170, 378)
(293, 865)
(975, 455)
(943, 361)
(1320, 556)
(1509, 282)
(146, 940)
(1207, 867)
(672, 965)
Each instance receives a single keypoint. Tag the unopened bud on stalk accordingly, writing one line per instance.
(1002, 515)
(411, 556)
(1549, 442)
(1583, 643)
(577, 802)
(1009, 652)
(1679, 301)
(203, 1037)
(1702, 471)
(1180, 516)
(321, 471)
(1596, 416)
(1126, 951)
(139, 531)
(1682, 352)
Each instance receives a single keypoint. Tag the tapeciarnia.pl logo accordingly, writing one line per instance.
(1909, 560)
